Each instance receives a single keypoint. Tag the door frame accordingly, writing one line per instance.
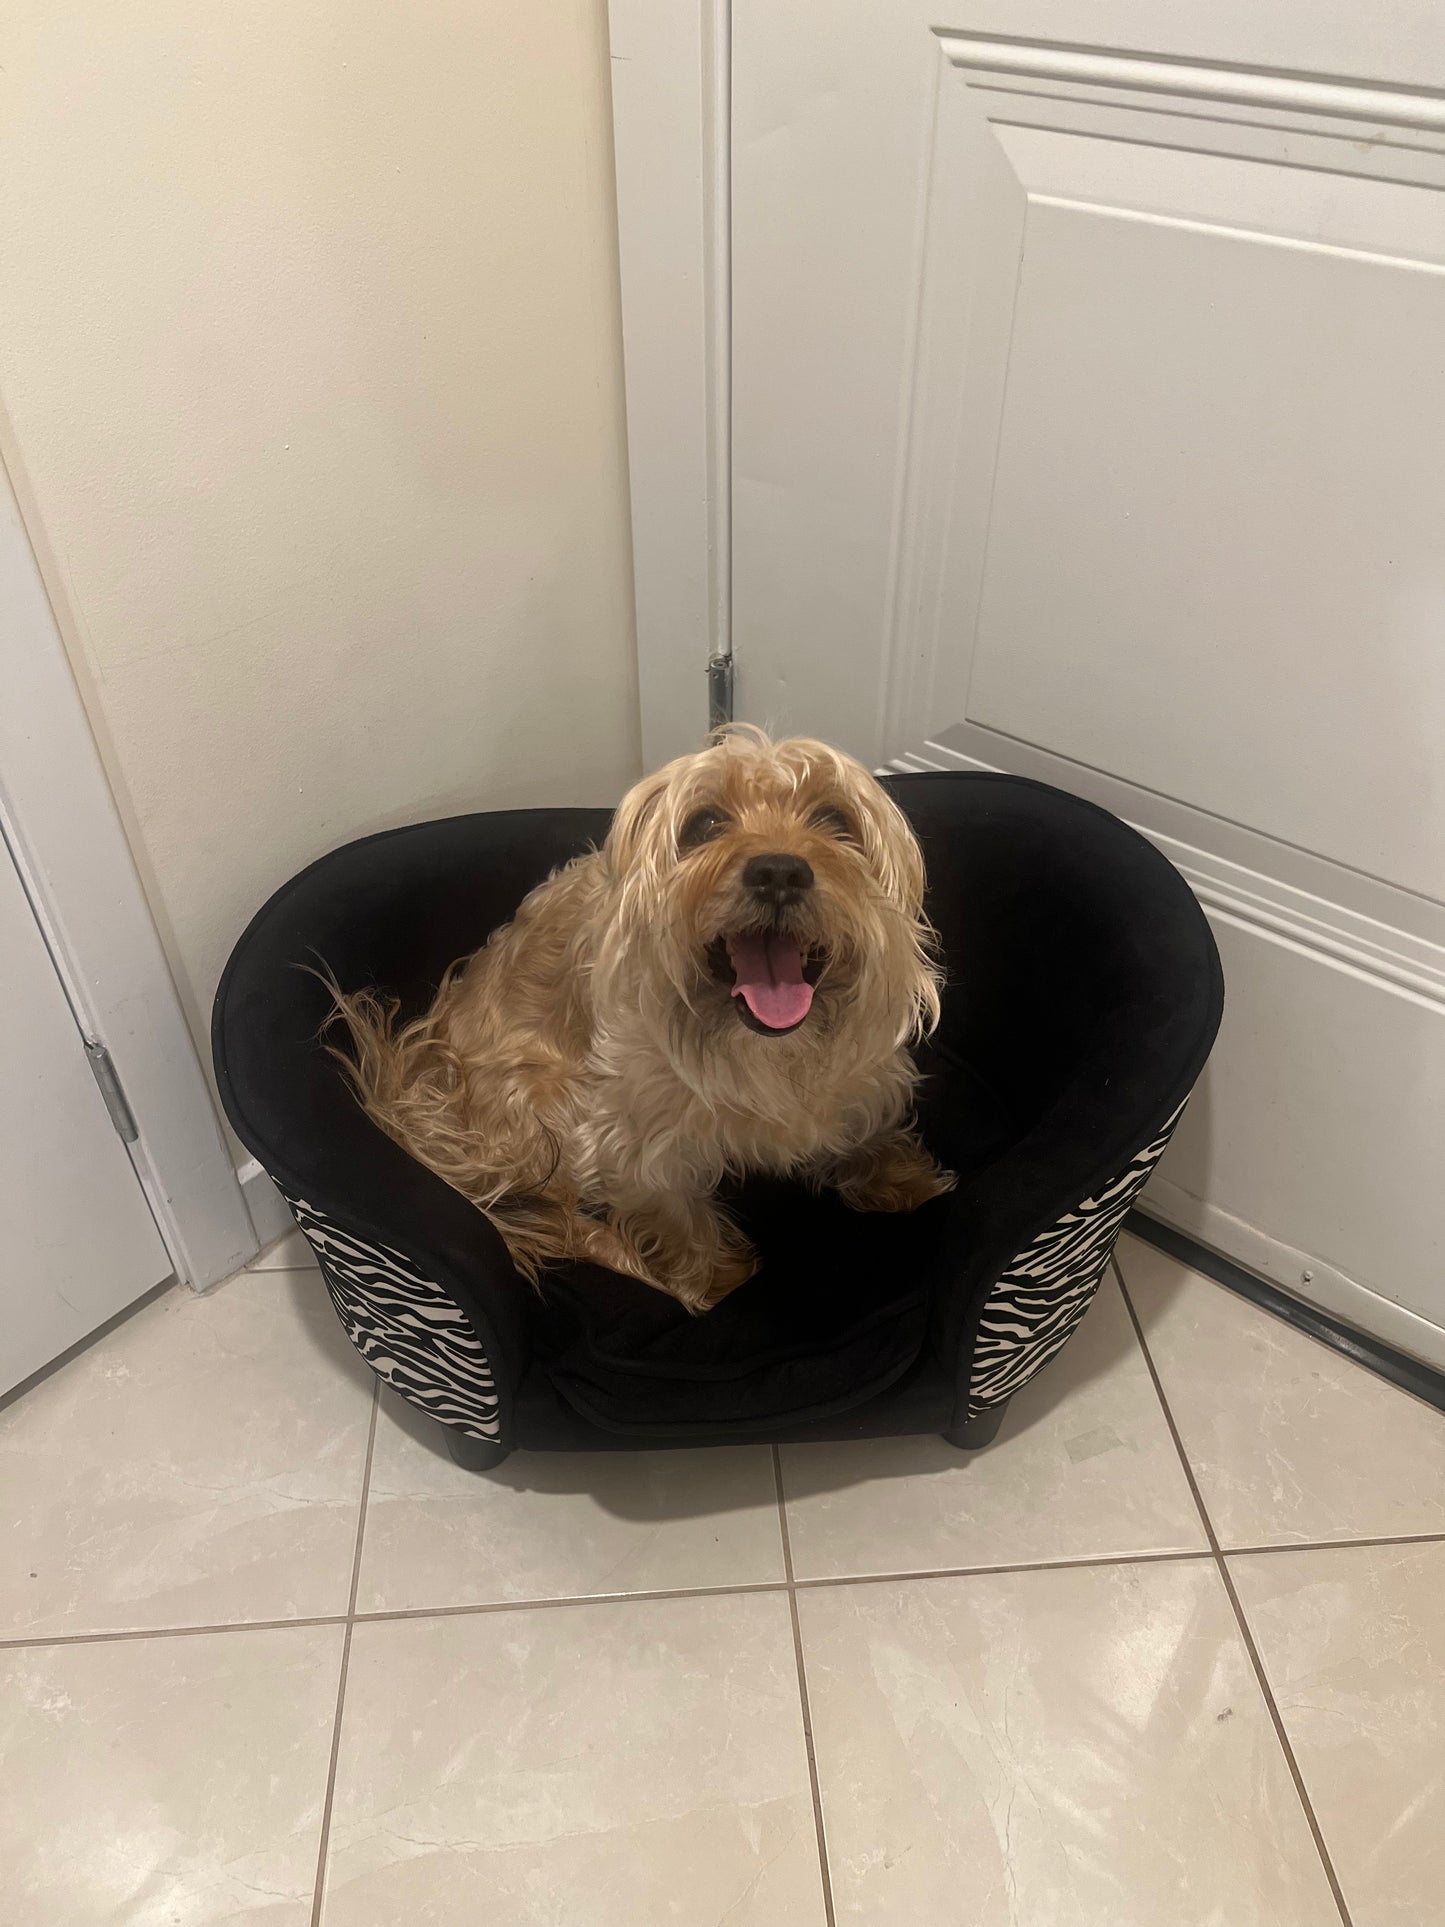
(671, 118)
(59, 818)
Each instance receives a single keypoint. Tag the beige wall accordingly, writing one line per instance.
(309, 351)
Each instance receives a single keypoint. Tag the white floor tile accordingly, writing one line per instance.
(166, 1782)
(1289, 1441)
(614, 1765)
(288, 1253)
(1083, 1467)
(201, 1464)
(1353, 1645)
(1085, 1747)
(560, 1524)
(1050, 1748)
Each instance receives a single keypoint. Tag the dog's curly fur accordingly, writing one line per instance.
(590, 1077)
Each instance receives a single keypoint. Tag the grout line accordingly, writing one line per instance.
(365, 1500)
(322, 1845)
(1222, 1567)
(824, 1871)
(988, 1572)
(1337, 1545)
(383, 1616)
(173, 1632)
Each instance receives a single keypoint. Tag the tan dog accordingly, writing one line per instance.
(729, 985)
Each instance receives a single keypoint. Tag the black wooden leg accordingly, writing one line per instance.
(474, 1455)
(978, 1431)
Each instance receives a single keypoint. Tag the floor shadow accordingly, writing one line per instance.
(640, 1486)
(643, 1485)
(632, 1485)
(1102, 1341)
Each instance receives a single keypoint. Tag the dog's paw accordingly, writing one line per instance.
(735, 1270)
(903, 1191)
(895, 1175)
(703, 1276)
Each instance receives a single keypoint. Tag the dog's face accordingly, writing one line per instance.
(771, 891)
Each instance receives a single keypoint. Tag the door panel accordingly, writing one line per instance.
(1245, 576)
(1307, 1122)
(1087, 405)
(77, 1240)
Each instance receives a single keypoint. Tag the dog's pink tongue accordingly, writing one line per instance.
(769, 972)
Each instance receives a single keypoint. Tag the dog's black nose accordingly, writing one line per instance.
(780, 878)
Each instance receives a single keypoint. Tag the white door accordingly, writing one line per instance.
(77, 1240)
(1087, 420)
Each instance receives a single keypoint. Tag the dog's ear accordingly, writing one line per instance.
(896, 853)
(886, 835)
(636, 816)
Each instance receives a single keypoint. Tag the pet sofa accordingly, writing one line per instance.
(1083, 995)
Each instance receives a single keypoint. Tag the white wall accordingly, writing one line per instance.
(309, 353)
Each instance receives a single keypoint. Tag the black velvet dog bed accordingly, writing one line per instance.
(1083, 996)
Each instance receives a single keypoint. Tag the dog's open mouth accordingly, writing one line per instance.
(770, 977)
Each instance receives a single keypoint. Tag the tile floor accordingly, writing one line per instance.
(1170, 1654)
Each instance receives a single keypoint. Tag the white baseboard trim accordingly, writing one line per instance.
(1311, 1280)
(270, 1216)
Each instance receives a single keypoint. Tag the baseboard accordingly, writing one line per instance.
(1411, 1374)
(1299, 1275)
(270, 1215)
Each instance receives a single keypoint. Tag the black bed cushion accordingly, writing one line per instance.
(837, 1311)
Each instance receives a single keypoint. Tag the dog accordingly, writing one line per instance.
(729, 986)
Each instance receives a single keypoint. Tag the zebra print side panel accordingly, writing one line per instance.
(1035, 1305)
(410, 1332)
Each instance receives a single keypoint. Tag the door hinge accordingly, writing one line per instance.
(719, 692)
(121, 1115)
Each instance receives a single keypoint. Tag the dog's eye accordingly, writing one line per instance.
(701, 827)
(835, 822)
